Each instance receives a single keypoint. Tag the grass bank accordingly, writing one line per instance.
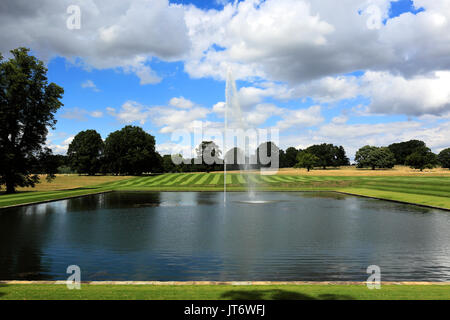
(223, 292)
(427, 190)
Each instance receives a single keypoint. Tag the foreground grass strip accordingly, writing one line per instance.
(223, 292)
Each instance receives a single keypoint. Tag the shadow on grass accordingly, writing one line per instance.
(80, 189)
(278, 294)
(2, 293)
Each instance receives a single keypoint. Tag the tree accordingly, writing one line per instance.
(291, 157)
(404, 149)
(374, 157)
(131, 151)
(306, 160)
(28, 104)
(167, 164)
(421, 159)
(341, 157)
(329, 155)
(444, 158)
(208, 154)
(85, 152)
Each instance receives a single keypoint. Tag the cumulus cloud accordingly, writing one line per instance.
(394, 94)
(301, 40)
(168, 118)
(60, 148)
(113, 34)
(129, 112)
(300, 118)
(181, 103)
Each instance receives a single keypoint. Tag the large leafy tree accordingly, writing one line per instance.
(374, 157)
(421, 159)
(27, 107)
(403, 149)
(329, 155)
(85, 152)
(306, 160)
(131, 151)
(444, 158)
(291, 157)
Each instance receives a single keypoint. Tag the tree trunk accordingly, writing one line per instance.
(373, 167)
(10, 188)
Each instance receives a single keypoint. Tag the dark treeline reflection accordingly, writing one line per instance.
(22, 236)
(114, 200)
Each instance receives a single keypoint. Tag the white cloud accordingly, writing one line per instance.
(300, 118)
(80, 114)
(170, 120)
(301, 40)
(181, 103)
(416, 96)
(96, 114)
(130, 111)
(114, 34)
(60, 148)
(90, 84)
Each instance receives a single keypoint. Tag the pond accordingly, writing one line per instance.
(191, 236)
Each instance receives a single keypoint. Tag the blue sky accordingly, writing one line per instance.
(296, 65)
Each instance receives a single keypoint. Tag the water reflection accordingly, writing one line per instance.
(192, 236)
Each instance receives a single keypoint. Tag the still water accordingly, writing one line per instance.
(191, 236)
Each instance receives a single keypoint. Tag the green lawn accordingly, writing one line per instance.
(430, 191)
(224, 292)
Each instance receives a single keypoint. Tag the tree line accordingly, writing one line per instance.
(28, 104)
(131, 151)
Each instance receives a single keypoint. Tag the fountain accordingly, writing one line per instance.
(233, 116)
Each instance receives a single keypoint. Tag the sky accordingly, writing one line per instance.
(349, 72)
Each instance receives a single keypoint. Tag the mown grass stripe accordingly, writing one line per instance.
(176, 180)
(240, 179)
(229, 179)
(281, 179)
(152, 180)
(254, 178)
(166, 178)
(169, 179)
(189, 180)
(216, 179)
(210, 178)
(145, 181)
(268, 179)
(203, 178)
(135, 182)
